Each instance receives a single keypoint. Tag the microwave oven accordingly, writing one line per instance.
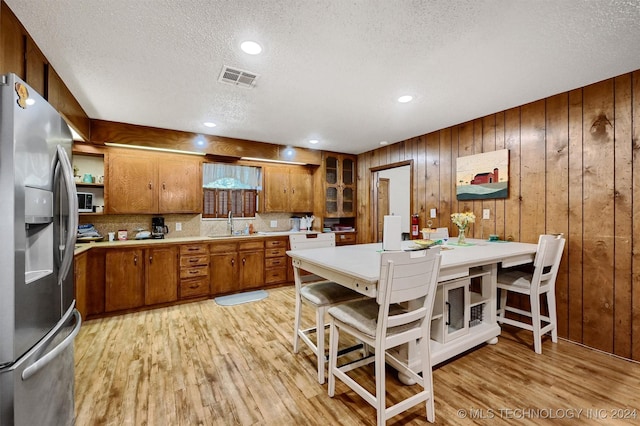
(85, 202)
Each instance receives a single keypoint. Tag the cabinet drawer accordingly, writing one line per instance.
(345, 238)
(275, 275)
(251, 245)
(193, 272)
(274, 262)
(223, 248)
(275, 252)
(200, 260)
(193, 249)
(275, 243)
(194, 287)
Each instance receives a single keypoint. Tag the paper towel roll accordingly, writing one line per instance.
(392, 233)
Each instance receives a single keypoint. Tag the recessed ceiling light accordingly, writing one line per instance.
(384, 143)
(251, 47)
(209, 124)
(313, 141)
(404, 99)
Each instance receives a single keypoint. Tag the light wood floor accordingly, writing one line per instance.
(204, 364)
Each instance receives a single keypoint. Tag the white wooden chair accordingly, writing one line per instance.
(387, 322)
(542, 281)
(319, 293)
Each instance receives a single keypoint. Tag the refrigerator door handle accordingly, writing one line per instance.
(67, 176)
(51, 355)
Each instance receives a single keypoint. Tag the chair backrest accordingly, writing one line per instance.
(308, 241)
(407, 277)
(440, 234)
(547, 260)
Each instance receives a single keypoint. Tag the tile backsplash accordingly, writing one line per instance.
(192, 225)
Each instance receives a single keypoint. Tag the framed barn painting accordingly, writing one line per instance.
(483, 176)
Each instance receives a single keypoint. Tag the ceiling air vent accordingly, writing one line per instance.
(237, 77)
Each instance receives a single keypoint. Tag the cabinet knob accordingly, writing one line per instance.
(150, 186)
(164, 186)
(135, 260)
(233, 262)
(244, 260)
(150, 259)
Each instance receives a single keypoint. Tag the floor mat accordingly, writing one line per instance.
(236, 299)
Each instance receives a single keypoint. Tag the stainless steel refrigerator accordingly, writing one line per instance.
(38, 225)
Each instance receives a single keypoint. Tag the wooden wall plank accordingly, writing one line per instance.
(498, 217)
(532, 171)
(512, 203)
(635, 268)
(574, 240)
(12, 43)
(557, 184)
(447, 186)
(598, 207)
(623, 198)
(465, 148)
(432, 195)
(487, 226)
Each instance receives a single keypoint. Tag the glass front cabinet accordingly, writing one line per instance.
(340, 185)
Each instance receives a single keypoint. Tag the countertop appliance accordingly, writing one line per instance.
(158, 228)
(38, 319)
(85, 202)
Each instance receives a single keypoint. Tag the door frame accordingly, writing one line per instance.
(373, 209)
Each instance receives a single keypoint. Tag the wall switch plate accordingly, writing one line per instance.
(178, 226)
(274, 223)
(432, 213)
(486, 214)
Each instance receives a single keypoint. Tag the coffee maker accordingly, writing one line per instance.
(158, 228)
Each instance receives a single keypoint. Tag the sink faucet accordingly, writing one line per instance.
(230, 222)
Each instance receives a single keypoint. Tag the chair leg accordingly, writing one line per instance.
(553, 319)
(380, 386)
(427, 378)
(333, 357)
(296, 323)
(320, 342)
(536, 322)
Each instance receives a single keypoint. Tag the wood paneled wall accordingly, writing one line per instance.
(574, 168)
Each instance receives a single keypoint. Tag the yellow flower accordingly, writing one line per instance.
(462, 220)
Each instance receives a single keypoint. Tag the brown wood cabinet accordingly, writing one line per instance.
(339, 185)
(135, 277)
(345, 238)
(194, 271)
(152, 183)
(288, 189)
(161, 274)
(80, 282)
(236, 266)
(275, 261)
(124, 279)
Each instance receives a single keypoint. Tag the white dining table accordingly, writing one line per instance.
(358, 267)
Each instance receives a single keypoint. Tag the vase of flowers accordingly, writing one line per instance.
(462, 221)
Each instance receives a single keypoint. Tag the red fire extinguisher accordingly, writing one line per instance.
(415, 219)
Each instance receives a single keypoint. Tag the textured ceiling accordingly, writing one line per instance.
(330, 70)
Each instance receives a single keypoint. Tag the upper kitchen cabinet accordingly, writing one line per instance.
(339, 185)
(148, 182)
(288, 189)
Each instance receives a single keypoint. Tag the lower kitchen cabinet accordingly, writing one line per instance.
(124, 279)
(194, 271)
(161, 275)
(236, 266)
(135, 277)
(275, 261)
